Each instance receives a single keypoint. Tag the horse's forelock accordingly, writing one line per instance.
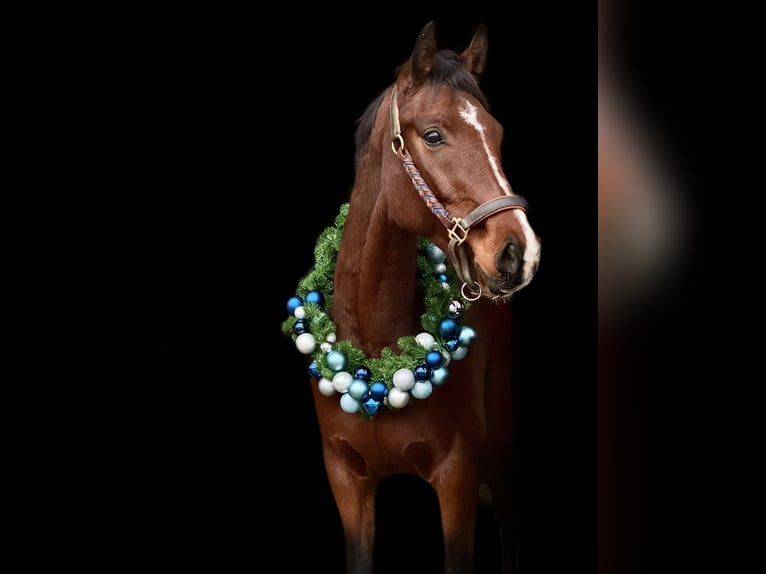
(449, 68)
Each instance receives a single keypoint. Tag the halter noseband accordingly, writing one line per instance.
(457, 227)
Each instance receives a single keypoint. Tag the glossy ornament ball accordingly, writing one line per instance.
(425, 340)
(422, 373)
(300, 326)
(371, 406)
(403, 379)
(363, 373)
(448, 328)
(325, 387)
(398, 398)
(341, 381)
(452, 344)
(378, 390)
(459, 353)
(422, 389)
(456, 308)
(434, 359)
(315, 297)
(293, 303)
(439, 376)
(349, 403)
(467, 335)
(314, 370)
(336, 360)
(358, 389)
(305, 343)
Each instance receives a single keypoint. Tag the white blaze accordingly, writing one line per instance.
(470, 115)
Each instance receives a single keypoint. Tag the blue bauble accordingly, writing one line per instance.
(378, 390)
(434, 359)
(448, 328)
(371, 406)
(336, 360)
(467, 335)
(422, 389)
(314, 370)
(358, 389)
(452, 344)
(349, 403)
(315, 297)
(300, 326)
(422, 373)
(440, 376)
(293, 303)
(363, 373)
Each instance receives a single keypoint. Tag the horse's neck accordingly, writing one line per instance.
(375, 278)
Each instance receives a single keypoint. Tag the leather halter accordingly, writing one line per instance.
(457, 227)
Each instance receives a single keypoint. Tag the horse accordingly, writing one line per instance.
(406, 318)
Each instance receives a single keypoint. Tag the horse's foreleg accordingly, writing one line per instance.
(500, 501)
(456, 484)
(354, 490)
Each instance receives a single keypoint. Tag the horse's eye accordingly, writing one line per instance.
(433, 138)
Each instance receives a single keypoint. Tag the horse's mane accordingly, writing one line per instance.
(448, 68)
(364, 124)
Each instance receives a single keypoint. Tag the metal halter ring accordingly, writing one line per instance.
(466, 297)
(398, 139)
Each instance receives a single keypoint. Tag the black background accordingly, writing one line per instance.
(244, 152)
(217, 143)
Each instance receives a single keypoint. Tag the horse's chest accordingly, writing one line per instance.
(416, 450)
(417, 441)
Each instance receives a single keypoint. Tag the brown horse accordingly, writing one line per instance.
(411, 372)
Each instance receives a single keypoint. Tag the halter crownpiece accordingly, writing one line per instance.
(457, 227)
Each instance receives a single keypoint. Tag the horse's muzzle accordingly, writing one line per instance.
(514, 269)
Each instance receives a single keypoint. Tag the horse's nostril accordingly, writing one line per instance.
(508, 259)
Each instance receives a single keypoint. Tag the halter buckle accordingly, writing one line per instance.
(453, 231)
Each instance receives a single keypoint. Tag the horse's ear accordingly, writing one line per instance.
(423, 54)
(475, 55)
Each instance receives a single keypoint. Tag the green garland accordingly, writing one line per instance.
(442, 300)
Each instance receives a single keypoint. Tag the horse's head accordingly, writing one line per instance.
(449, 143)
